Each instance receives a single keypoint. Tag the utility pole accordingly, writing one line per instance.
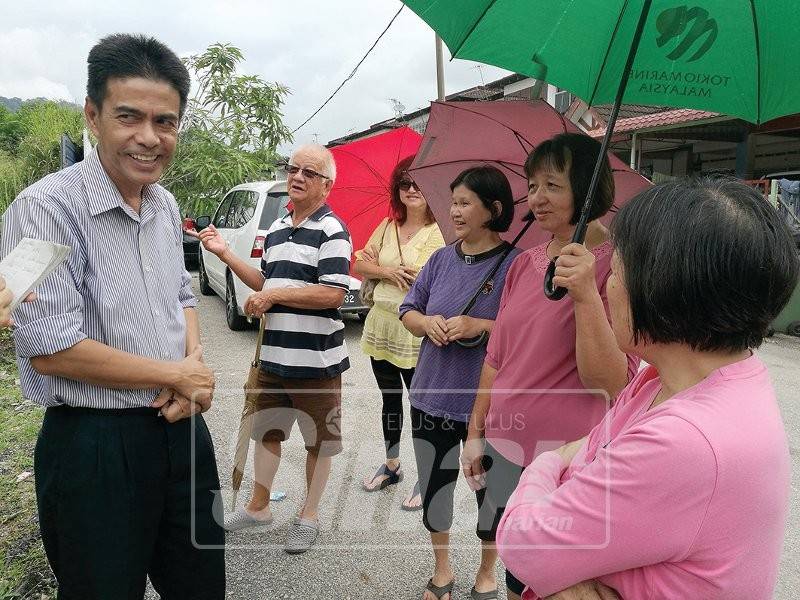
(439, 70)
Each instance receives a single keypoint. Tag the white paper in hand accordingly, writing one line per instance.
(28, 264)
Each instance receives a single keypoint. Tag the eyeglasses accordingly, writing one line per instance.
(407, 184)
(307, 173)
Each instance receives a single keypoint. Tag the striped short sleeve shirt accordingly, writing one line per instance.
(305, 343)
(123, 285)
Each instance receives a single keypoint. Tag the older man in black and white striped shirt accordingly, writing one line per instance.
(125, 481)
(303, 277)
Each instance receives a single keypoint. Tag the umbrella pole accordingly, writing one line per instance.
(578, 237)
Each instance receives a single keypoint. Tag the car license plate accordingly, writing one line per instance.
(351, 298)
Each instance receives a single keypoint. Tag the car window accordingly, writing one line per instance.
(221, 216)
(243, 209)
(274, 208)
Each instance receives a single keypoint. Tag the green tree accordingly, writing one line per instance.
(30, 142)
(230, 132)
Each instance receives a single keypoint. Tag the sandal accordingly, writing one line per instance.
(392, 477)
(476, 595)
(241, 519)
(440, 590)
(414, 493)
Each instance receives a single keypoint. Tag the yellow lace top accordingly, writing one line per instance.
(384, 337)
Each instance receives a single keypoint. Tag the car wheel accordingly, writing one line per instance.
(202, 278)
(236, 322)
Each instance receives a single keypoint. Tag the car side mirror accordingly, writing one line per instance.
(202, 222)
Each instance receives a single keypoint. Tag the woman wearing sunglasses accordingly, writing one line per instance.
(443, 390)
(395, 252)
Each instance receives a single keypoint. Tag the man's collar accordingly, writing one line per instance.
(102, 194)
(317, 215)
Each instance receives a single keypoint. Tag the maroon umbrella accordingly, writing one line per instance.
(500, 133)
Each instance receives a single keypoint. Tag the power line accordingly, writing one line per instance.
(352, 73)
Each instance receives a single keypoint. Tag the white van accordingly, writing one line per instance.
(242, 219)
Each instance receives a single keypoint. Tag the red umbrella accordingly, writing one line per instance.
(360, 194)
(501, 133)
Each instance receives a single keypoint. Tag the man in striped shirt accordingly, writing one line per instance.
(125, 481)
(301, 284)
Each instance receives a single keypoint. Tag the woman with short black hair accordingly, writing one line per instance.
(684, 486)
(551, 368)
(443, 388)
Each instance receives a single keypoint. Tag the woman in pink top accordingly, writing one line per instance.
(682, 490)
(551, 366)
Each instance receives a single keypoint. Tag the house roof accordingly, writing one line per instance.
(656, 119)
(494, 90)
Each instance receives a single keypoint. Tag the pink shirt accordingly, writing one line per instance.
(687, 500)
(538, 400)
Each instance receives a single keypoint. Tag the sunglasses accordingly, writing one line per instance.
(307, 173)
(407, 184)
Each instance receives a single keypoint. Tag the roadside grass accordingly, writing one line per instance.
(24, 573)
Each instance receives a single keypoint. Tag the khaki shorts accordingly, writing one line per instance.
(316, 405)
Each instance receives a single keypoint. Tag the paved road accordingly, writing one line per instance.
(368, 547)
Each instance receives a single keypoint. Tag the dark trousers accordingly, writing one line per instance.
(123, 494)
(502, 478)
(437, 447)
(390, 380)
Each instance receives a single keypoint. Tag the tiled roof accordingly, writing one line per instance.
(658, 119)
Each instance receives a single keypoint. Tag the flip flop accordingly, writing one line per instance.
(393, 477)
(440, 590)
(414, 493)
(476, 595)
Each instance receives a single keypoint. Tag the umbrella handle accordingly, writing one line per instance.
(478, 340)
(552, 293)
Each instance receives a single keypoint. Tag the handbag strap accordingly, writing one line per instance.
(383, 237)
(262, 323)
(399, 249)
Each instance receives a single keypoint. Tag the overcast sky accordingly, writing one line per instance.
(308, 45)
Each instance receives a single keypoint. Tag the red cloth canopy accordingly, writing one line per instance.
(360, 194)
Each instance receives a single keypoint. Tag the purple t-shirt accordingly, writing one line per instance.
(446, 378)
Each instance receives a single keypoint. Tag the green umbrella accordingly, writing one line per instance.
(737, 57)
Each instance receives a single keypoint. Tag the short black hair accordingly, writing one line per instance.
(706, 262)
(490, 185)
(575, 154)
(124, 55)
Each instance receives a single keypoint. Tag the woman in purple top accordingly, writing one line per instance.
(446, 378)
(551, 367)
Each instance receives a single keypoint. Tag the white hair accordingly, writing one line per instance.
(328, 161)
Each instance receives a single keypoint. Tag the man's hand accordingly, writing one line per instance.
(463, 327)
(472, 463)
(436, 329)
(6, 299)
(175, 407)
(211, 239)
(403, 277)
(257, 304)
(575, 271)
(195, 380)
(586, 590)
